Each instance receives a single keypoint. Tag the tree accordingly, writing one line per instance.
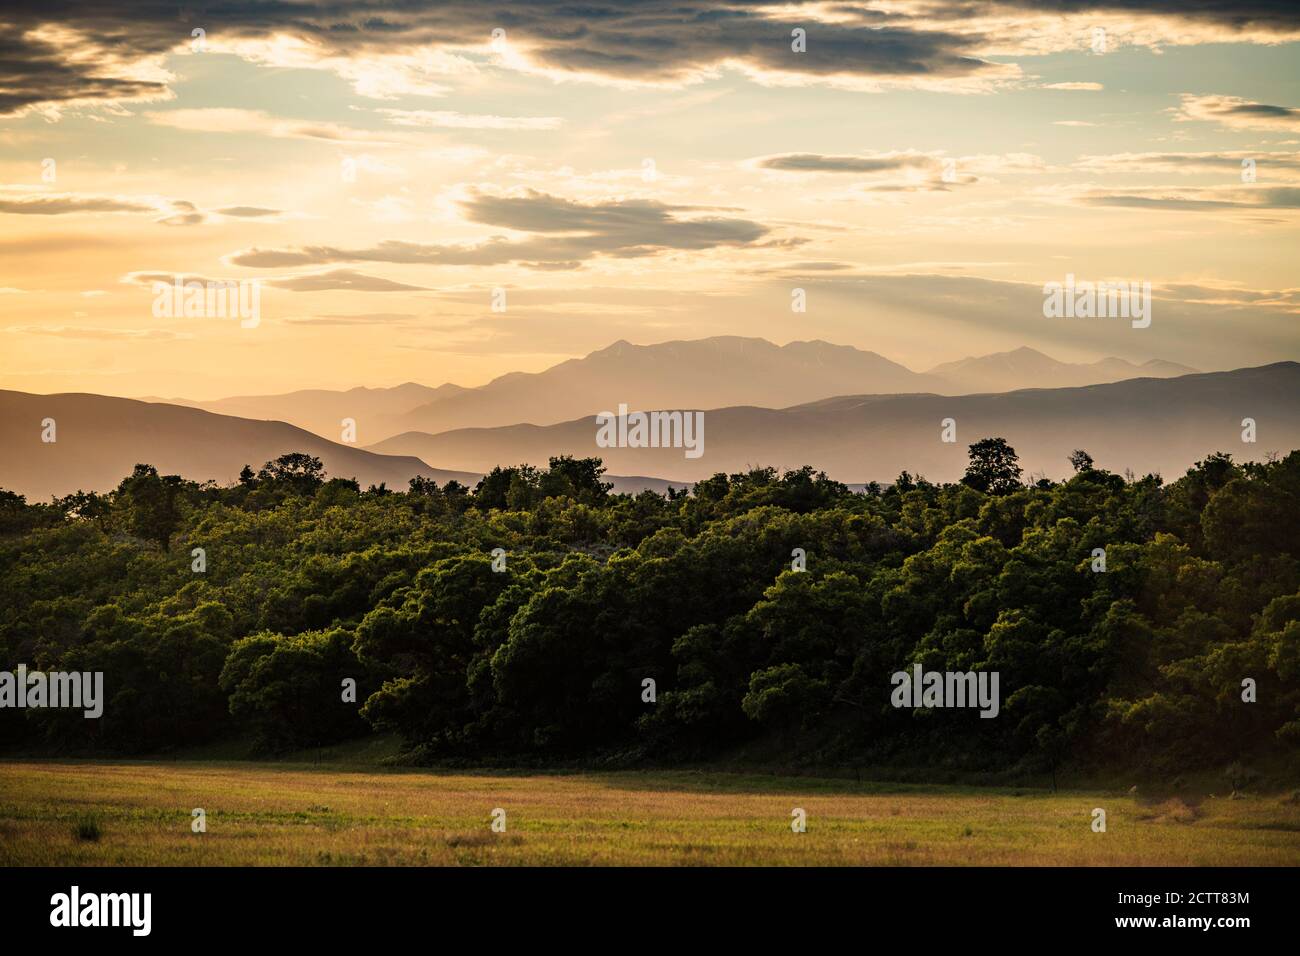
(1080, 460)
(425, 487)
(427, 631)
(288, 691)
(297, 471)
(522, 495)
(82, 504)
(456, 495)
(493, 489)
(16, 515)
(150, 503)
(783, 695)
(576, 478)
(994, 468)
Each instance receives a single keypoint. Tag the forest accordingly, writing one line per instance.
(540, 619)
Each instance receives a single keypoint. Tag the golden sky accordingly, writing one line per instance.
(635, 171)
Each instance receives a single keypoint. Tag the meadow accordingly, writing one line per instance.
(60, 813)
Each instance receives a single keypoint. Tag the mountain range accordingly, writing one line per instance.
(1027, 368)
(852, 413)
(700, 373)
(1144, 424)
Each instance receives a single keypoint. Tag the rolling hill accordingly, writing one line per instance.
(100, 439)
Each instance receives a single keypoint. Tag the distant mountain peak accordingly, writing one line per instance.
(1026, 367)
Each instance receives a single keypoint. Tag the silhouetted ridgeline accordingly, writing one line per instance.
(1150, 425)
(717, 372)
(1157, 425)
(1184, 651)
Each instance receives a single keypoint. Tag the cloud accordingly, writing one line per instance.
(565, 234)
(175, 212)
(1237, 113)
(65, 203)
(343, 280)
(1188, 323)
(1240, 16)
(248, 212)
(64, 54)
(868, 163)
(185, 214)
(914, 171)
(453, 120)
(1227, 163)
(633, 222)
(899, 161)
(1092, 87)
(228, 120)
(76, 53)
(930, 186)
(1282, 299)
(822, 265)
(1246, 197)
(908, 171)
(52, 66)
(149, 278)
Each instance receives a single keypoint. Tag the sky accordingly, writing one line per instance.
(450, 192)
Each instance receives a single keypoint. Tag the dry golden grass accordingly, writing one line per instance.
(303, 815)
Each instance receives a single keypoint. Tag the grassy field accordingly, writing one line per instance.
(139, 813)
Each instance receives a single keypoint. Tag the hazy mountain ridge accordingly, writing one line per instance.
(319, 410)
(1029, 368)
(699, 373)
(99, 439)
(716, 372)
(1144, 424)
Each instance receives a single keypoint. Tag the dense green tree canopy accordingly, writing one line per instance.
(1127, 620)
